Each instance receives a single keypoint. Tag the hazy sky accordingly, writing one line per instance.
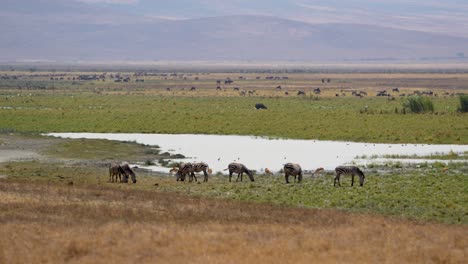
(444, 16)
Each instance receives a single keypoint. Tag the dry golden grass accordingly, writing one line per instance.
(55, 223)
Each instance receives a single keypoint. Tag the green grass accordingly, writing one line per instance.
(304, 118)
(96, 149)
(427, 195)
(419, 104)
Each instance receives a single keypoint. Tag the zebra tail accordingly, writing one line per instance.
(226, 169)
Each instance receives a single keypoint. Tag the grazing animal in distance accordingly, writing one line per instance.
(184, 169)
(317, 171)
(292, 169)
(260, 106)
(128, 171)
(198, 167)
(239, 169)
(268, 172)
(348, 170)
(300, 93)
(117, 171)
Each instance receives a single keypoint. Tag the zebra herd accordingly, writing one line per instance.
(290, 169)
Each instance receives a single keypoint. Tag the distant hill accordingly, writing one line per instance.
(256, 38)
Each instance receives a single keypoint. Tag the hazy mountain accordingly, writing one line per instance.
(259, 38)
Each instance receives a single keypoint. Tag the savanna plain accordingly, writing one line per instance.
(56, 204)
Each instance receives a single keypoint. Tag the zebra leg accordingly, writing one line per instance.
(110, 176)
(194, 176)
(205, 179)
(337, 180)
(286, 176)
(299, 177)
(352, 180)
(230, 175)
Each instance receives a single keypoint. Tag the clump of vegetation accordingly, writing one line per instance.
(419, 104)
(463, 103)
(149, 162)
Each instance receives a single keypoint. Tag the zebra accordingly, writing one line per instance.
(184, 169)
(117, 171)
(239, 169)
(128, 171)
(197, 167)
(292, 169)
(348, 170)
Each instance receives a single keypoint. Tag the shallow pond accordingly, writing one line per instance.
(259, 153)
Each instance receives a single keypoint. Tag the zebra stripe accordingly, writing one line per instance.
(128, 171)
(184, 169)
(348, 170)
(198, 167)
(239, 169)
(292, 169)
(117, 171)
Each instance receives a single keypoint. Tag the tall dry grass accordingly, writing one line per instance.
(55, 223)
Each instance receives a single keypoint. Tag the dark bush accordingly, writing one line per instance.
(419, 104)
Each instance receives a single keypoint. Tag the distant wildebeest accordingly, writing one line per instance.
(115, 171)
(286, 93)
(348, 170)
(260, 106)
(168, 89)
(236, 88)
(317, 91)
(193, 88)
(278, 87)
(300, 93)
(218, 88)
(292, 169)
(128, 171)
(242, 93)
(251, 92)
(239, 169)
(396, 90)
(382, 93)
(336, 95)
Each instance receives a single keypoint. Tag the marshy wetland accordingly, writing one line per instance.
(406, 211)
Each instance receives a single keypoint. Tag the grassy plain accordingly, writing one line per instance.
(403, 213)
(56, 223)
(429, 194)
(34, 103)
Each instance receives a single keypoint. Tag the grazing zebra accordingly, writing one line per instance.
(128, 171)
(239, 169)
(348, 170)
(292, 169)
(117, 171)
(184, 169)
(197, 167)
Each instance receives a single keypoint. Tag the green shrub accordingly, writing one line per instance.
(419, 104)
(463, 103)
